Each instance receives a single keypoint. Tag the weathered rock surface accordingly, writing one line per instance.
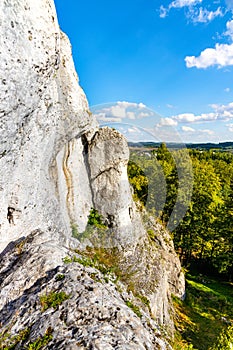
(93, 173)
(42, 107)
(95, 315)
(55, 165)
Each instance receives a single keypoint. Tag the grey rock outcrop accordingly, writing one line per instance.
(93, 173)
(94, 316)
(55, 166)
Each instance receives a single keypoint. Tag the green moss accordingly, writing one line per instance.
(151, 233)
(52, 299)
(135, 308)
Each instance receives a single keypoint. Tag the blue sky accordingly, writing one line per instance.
(171, 57)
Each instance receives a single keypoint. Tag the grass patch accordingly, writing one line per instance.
(52, 299)
(41, 342)
(203, 316)
(107, 261)
(135, 308)
(9, 342)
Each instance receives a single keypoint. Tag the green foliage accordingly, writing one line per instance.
(225, 340)
(52, 299)
(95, 219)
(67, 260)
(151, 233)
(107, 261)
(200, 319)
(41, 342)
(139, 181)
(9, 342)
(204, 237)
(135, 308)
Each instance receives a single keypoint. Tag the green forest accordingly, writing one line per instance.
(191, 192)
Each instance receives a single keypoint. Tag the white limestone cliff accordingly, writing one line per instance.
(55, 165)
(42, 107)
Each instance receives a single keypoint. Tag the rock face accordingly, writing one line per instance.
(55, 166)
(42, 107)
(94, 315)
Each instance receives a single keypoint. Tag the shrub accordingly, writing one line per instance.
(95, 219)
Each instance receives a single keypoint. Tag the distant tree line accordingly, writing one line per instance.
(204, 237)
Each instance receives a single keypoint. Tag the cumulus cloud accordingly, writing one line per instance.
(221, 56)
(121, 110)
(187, 129)
(220, 113)
(167, 122)
(227, 89)
(192, 118)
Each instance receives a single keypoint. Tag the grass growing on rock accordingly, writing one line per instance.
(135, 308)
(52, 299)
(41, 342)
(9, 342)
(205, 314)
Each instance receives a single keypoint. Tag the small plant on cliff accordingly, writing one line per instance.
(52, 299)
(95, 219)
(41, 342)
(9, 342)
(135, 308)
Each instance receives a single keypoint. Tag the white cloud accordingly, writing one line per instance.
(184, 3)
(167, 122)
(229, 31)
(207, 131)
(192, 118)
(221, 55)
(187, 129)
(196, 13)
(227, 89)
(230, 127)
(130, 115)
(223, 112)
(121, 110)
(178, 4)
(220, 113)
(163, 12)
(204, 15)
